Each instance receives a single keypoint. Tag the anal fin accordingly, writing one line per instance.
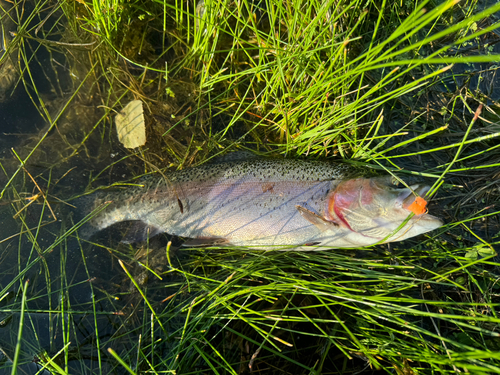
(205, 241)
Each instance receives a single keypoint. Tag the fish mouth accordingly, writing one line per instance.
(414, 198)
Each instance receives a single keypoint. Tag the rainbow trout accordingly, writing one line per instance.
(268, 204)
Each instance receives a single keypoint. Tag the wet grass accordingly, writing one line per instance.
(406, 88)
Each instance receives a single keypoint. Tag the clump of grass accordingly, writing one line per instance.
(352, 79)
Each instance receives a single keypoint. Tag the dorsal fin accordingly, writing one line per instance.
(234, 156)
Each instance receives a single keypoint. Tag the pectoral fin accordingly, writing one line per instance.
(320, 222)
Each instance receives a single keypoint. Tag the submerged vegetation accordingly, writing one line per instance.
(407, 87)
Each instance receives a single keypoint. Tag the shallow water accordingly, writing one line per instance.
(61, 277)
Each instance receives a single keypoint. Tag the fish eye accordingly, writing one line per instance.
(394, 181)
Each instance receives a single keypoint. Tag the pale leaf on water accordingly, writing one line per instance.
(130, 125)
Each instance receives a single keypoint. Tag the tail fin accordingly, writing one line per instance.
(88, 220)
(85, 209)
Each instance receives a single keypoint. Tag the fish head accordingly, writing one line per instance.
(374, 209)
